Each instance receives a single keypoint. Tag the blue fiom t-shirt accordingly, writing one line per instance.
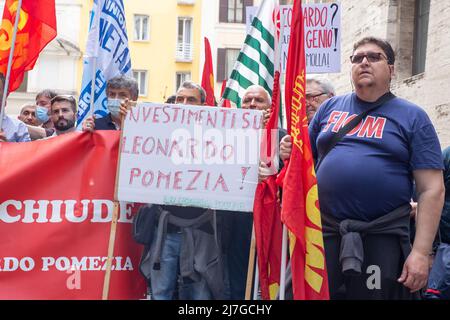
(445, 218)
(369, 172)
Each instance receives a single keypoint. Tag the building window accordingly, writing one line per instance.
(226, 58)
(141, 28)
(180, 78)
(184, 40)
(233, 11)
(141, 78)
(422, 17)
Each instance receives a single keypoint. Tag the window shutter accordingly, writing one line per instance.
(221, 53)
(223, 11)
(247, 3)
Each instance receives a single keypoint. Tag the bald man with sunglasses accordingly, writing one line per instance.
(365, 182)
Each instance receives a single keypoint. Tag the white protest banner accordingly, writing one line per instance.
(190, 156)
(322, 35)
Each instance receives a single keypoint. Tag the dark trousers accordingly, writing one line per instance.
(238, 236)
(382, 266)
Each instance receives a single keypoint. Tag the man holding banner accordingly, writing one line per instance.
(185, 235)
(120, 91)
(107, 56)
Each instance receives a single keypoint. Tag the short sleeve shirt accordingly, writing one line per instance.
(369, 172)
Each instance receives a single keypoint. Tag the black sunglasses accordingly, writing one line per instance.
(371, 57)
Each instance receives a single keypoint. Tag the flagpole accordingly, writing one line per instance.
(94, 62)
(94, 76)
(283, 264)
(251, 265)
(256, 285)
(11, 55)
(111, 244)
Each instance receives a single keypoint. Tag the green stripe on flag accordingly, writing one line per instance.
(266, 35)
(255, 63)
(245, 83)
(255, 44)
(254, 66)
(232, 95)
(241, 79)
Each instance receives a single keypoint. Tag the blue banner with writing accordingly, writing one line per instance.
(107, 56)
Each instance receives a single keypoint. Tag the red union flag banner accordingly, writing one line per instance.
(56, 207)
(36, 28)
(300, 211)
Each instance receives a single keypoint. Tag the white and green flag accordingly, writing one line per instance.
(255, 63)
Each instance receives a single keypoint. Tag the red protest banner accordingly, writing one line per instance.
(56, 206)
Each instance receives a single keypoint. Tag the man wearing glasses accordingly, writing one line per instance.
(365, 183)
(317, 92)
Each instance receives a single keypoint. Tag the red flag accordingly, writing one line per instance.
(208, 76)
(268, 234)
(225, 102)
(300, 211)
(36, 28)
(266, 208)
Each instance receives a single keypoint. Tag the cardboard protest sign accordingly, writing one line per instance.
(56, 206)
(190, 156)
(322, 35)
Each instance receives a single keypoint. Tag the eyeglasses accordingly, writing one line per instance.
(312, 96)
(371, 57)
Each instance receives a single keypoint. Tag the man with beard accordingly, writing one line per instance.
(63, 112)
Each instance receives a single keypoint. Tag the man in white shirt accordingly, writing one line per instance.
(12, 130)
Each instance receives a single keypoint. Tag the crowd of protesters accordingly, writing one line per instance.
(366, 179)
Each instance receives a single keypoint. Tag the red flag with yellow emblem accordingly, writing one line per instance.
(208, 76)
(300, 210)
(36, 28)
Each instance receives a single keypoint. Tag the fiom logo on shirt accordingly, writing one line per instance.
(371, 127)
